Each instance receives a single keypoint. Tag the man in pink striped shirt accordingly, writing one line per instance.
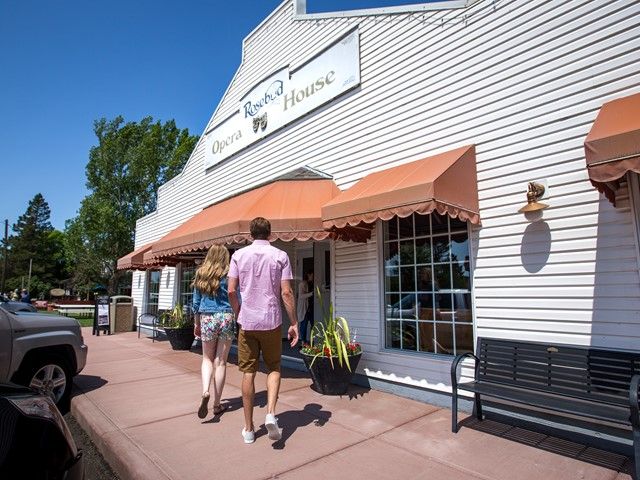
(262, 274)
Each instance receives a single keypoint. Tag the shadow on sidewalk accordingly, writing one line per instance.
(559, 446)
(235, 403)
(291, 420)
(86, 383)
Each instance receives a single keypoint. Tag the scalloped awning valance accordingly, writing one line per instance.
(133, 260)
(446, 183)
(292, 206)
(612, 147)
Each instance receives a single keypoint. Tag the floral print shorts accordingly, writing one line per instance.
(217, 325)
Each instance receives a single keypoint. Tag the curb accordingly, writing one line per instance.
(125, 457)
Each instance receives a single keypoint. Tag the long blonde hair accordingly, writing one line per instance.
(213, 269)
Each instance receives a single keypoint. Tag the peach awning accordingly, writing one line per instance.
(292, 207)
(612, 147)
(133, 260)
(446, 183)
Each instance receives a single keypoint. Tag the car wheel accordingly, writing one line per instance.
(51, 375)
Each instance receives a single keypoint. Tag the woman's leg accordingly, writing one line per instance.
(220, 369)
(208, 352)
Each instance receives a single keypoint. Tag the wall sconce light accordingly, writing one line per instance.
(534, 192)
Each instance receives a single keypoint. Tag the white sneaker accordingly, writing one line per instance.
(271, 423)
(249, 437)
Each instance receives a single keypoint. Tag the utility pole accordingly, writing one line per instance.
(4, 267)
(29, 281)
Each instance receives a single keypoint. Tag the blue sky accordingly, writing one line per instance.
(64, 64)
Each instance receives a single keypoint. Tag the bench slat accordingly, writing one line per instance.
(552, 402)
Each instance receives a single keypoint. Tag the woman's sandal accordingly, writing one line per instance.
(204, 402)
(218, 409)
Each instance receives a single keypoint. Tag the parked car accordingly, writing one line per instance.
(16, 306)
(35, 442)
(41, 351)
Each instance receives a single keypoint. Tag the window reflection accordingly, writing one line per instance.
(427, 282)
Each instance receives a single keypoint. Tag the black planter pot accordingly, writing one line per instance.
(327, 380)
(180, 338)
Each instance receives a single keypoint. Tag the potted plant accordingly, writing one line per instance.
(178, 326)
(331, 354)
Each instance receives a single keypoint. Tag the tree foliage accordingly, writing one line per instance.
(125, 169)
(35, 240)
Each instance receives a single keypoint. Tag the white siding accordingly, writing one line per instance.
(138, 290)
(523, 81)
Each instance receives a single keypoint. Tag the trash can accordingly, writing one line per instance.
(121, 314)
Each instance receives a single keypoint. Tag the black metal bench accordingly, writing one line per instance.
(594, 383)
(149, 320)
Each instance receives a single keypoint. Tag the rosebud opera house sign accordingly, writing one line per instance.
(283, 97)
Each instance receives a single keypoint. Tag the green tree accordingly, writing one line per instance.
(35, 240)
(124, 172)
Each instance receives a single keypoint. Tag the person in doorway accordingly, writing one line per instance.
(304, 309)
(214, 324)
(262, 275)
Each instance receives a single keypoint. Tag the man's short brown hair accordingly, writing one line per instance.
(260, 228)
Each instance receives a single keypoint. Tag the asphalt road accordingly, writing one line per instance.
(95, 467)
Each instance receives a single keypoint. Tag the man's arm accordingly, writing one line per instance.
(233, 295)
(289, 301)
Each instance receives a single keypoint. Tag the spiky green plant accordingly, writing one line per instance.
(176, 318)
(331, 337)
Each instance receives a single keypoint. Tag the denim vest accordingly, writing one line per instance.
(203, 303)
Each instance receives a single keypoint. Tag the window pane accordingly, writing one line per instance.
(408, 279)
(425, 279)
(444, 338)
(423, 250)
(443, 307)
(426, 336)
(422, 224)
(462, 304)
(406, 253)
(406, 227)
(439, 223)
(409, 336)
(458, 225)
(392, 302)
(393, 335)
(408, 306)
(461, 276)
(441, 249)
(443, 276)
(459, 248)
(425, 307)
(391, 269)
(391, 229)
(464, 338)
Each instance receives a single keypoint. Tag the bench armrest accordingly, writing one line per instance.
(454, 368)
(633, 401)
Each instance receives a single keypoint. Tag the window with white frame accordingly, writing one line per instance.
(187, 272)
(427, 285)
(153, 290)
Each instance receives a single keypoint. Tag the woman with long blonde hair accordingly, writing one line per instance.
(214, 323)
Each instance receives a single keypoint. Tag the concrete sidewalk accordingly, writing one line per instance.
(138, 401)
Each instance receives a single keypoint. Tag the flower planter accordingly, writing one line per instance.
(327, 380)
(180, 338)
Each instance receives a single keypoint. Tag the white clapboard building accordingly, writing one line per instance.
(393, 150)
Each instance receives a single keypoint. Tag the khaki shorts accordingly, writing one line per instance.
(252, 342)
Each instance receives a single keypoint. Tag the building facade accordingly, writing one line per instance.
(513, 87)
